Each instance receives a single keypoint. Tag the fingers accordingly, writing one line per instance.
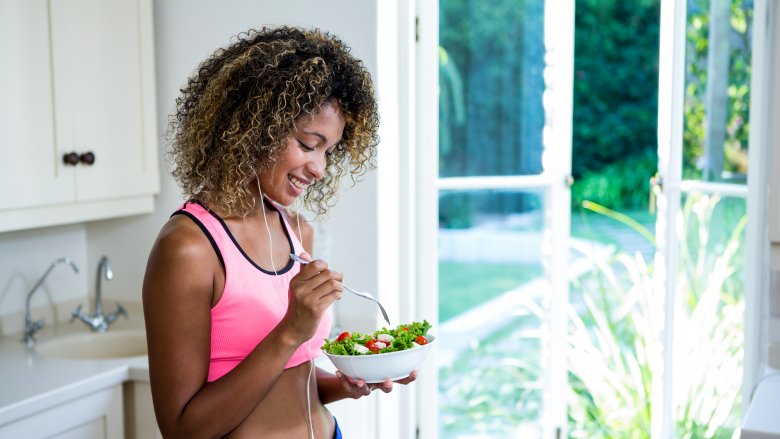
(358, 387)
(326, 284)
(312, 269)
(412, 376)
(355, 388)
(386, 386)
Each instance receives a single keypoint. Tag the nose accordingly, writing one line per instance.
(317, 165)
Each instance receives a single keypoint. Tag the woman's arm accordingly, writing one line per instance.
(182, 275)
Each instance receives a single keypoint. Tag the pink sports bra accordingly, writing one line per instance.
(253, 301)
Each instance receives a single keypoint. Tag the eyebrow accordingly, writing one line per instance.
(322, 138)
(312, 133)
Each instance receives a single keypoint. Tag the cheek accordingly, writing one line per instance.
(292, 160)
(266, 181)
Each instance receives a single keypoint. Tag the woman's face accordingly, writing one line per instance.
(305, 158)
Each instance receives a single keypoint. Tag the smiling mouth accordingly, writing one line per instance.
(300, 184)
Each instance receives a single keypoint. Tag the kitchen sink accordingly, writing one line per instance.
(96, 345)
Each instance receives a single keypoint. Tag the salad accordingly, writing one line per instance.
(405, 336)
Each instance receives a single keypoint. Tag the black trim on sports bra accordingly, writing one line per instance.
(284, 269)
(205, 232)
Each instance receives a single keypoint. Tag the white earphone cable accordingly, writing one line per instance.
(273, 266)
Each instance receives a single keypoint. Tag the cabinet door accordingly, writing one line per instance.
(104, 94)
(31, 171)
(97, 415)
(140, 422)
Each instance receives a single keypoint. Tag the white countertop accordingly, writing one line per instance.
(31, 382)
(762, 420)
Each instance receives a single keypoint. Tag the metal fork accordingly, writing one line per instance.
(297, 258)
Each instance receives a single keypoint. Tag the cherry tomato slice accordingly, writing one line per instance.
(342, 336)
(371, 345)
(420, 340)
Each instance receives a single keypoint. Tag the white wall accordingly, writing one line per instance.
(25, 256)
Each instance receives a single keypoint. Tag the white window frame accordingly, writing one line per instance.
(420, 187)
(414, 183)
(670, 129)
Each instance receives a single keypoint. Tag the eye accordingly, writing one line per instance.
(305, 147)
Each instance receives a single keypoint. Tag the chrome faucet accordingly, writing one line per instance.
(30, 326)
(98, 321)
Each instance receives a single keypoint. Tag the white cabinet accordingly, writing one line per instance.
(97, 415)
(77, 82)
(140, 422)
(29, 169)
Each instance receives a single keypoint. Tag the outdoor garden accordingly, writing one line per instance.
(492, 286)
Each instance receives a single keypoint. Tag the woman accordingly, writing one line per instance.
(232, 323)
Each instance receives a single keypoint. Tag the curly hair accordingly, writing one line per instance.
(237, 111)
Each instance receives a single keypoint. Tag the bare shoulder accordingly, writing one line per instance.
(183, 237)
(181, 255)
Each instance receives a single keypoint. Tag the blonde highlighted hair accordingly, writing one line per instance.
(236, 112)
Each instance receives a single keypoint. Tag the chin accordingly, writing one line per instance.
(286, 200)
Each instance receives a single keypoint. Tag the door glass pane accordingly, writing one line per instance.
(491, 57)
(717, 98)
(491, 295)
(613, 312)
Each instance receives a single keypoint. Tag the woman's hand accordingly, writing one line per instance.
(359, 388)
(312, 291)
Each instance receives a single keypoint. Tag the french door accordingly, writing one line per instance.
(497, 251)
(493, 216)
(701, 189)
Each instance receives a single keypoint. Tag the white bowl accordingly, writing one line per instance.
(378, 367)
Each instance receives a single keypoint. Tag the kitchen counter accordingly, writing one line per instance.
(761, 420)
(32, 382)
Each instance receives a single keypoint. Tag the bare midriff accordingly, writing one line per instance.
(282, 413)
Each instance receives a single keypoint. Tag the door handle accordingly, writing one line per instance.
(656, 187)
(70, 159)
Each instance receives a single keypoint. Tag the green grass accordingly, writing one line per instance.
(462, 286)
(599, 228)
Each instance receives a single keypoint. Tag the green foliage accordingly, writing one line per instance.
(620, 185)
(738, 105)
(614, 348)
(615, 97)
(615, 337)
(491, 60)
(455, 210)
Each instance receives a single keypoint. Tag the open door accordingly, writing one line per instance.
(701, 193)
(495, 214)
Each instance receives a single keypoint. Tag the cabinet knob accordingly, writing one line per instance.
(71, 159)
(87, 158)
